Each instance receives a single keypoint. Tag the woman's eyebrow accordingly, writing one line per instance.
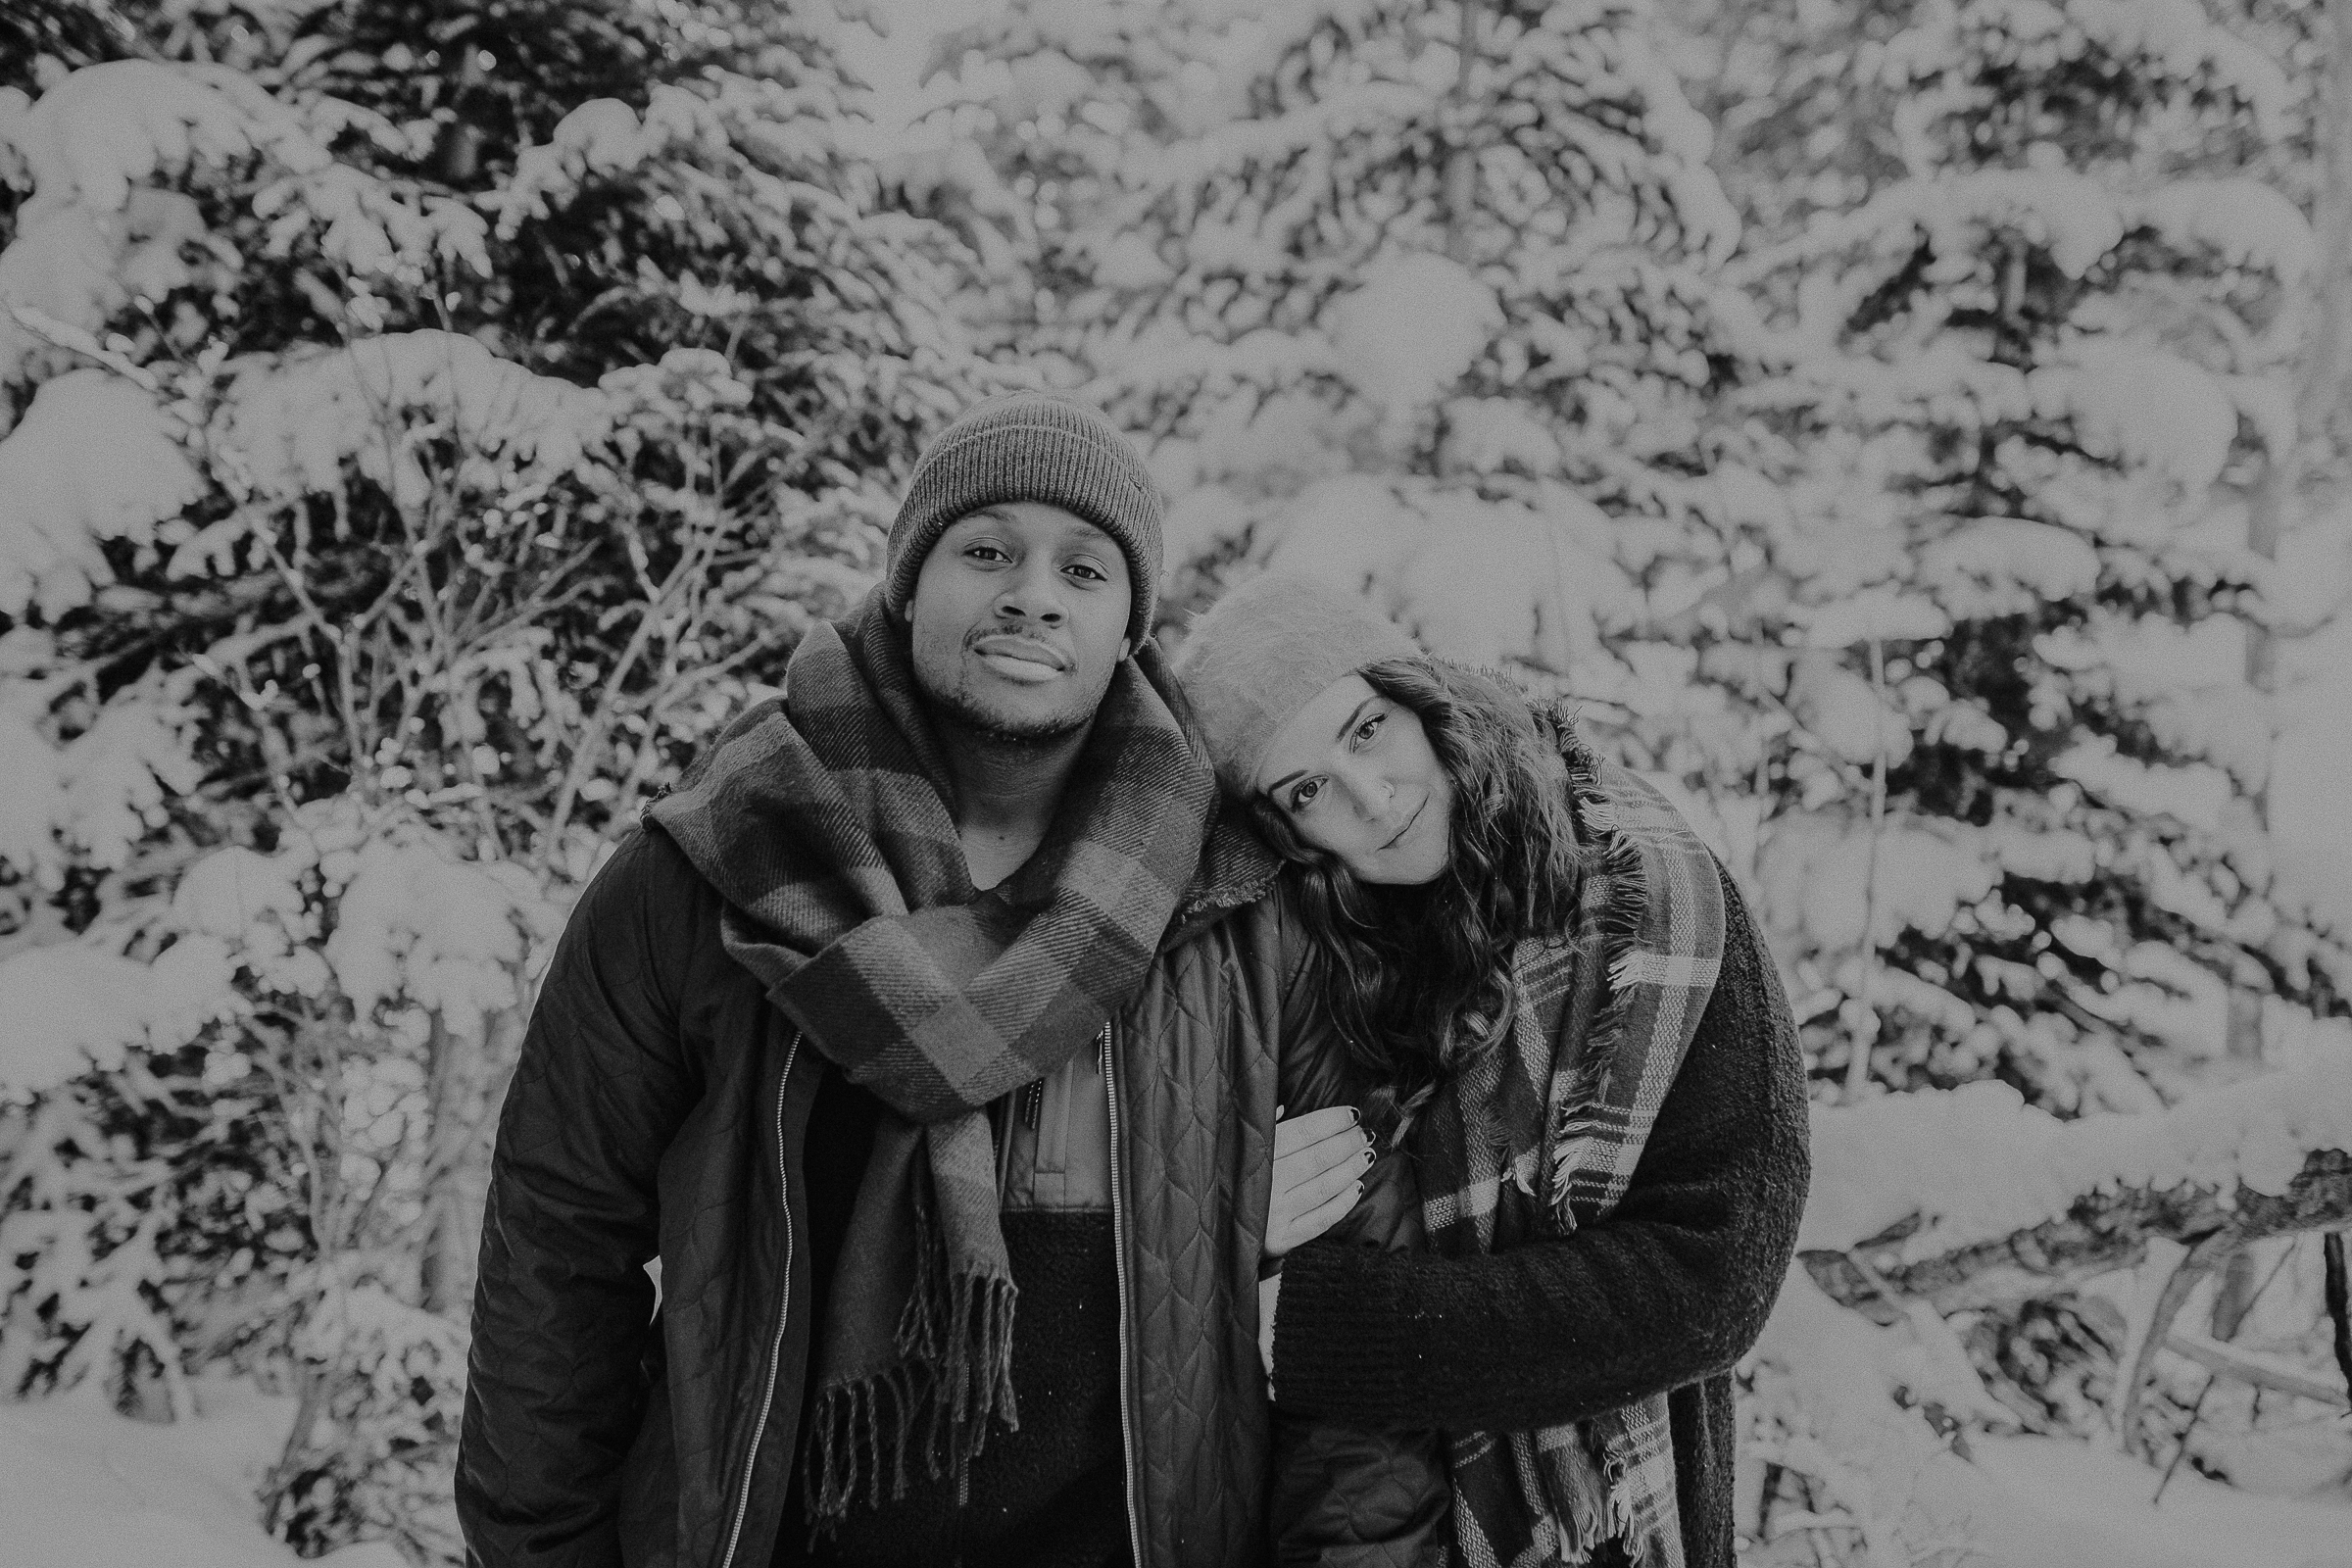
(1336, 735)
(1350, 721)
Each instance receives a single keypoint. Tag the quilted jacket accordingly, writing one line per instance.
(659, 1110)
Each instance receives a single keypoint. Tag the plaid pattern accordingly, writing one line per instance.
(823, 821)
(1542, 1137)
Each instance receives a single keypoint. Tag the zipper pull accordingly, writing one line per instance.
(1033, 1103)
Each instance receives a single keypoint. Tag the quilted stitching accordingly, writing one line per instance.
(648, 1088)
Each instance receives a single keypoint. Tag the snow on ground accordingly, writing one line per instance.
(82, 1486)
(2200, 1522)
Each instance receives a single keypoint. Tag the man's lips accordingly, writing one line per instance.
(1021, 658)
(1408, 823)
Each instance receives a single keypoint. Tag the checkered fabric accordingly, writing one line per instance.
(1542, 1137)
(823, 821)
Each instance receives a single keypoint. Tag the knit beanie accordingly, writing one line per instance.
(1031, 446)
(1259, 654)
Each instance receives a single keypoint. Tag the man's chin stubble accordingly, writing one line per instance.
(962, 710)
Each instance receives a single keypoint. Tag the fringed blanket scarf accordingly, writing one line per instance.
(823, 819)
(1542, 1137)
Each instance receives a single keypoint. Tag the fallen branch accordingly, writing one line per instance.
(1970, 1199)
(2101, 1231)
(2252, 1367)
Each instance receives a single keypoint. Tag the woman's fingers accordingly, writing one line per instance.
(1319, 1158)
(1324, 1215)
(1337, 1177)
(1312, 1160)
(1306, 1210)
(1302, 1132)
(1309, 1223)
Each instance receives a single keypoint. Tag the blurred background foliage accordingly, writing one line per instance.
(1912, 433)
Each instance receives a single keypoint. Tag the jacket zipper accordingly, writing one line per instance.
(775, 1348)
(1118, 1248)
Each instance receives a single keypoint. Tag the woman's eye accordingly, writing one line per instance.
(1304, 794)
(1369, 727)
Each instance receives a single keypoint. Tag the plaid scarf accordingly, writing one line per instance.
(1542, 1137)
(823, 821)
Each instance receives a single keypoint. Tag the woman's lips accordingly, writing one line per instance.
(1408, 823)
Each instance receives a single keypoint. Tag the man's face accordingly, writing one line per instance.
(1019, 619)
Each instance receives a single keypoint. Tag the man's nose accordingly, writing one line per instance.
(1033, 593)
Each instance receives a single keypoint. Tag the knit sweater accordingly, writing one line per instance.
(1664, 1296)
(1048, 1493)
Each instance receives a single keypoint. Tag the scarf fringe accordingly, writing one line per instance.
(1617, 1467)
(1617, 929)
(954, 1342)
(862, 1434)
(849, 1436)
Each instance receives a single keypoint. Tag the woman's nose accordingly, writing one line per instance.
(1371, 792)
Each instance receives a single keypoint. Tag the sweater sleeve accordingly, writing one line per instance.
(1674, 1286)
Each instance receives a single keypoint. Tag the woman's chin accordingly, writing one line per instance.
(1400, 872)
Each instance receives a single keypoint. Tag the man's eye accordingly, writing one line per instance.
(1089, 571)
(984, 553)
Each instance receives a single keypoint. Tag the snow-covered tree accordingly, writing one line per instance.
(2022, 382)
(421, 426)
(1909, 539)
(1415, 295)
(2038, 276)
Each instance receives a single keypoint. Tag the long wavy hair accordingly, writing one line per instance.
(1417, 979)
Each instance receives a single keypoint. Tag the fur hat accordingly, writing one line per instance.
(1031, 446)
(1259, 654)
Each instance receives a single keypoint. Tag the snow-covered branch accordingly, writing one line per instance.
(1971, 1199)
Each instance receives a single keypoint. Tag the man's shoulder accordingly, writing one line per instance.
(645, 867)
(1235, 876)
(647, 903)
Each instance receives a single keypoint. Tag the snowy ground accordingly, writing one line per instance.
(2200, 1524)
(84, 1488)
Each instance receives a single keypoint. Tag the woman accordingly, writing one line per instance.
(1567, 1030)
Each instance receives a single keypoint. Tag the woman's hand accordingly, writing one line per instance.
(1269, 1299)
(1319, 1164)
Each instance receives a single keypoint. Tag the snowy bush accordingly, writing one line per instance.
(416, 435)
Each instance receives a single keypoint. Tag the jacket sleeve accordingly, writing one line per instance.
(1672, 1288)
(562, 1308)
(1350, 1494)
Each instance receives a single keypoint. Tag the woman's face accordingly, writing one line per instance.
(1355, 776)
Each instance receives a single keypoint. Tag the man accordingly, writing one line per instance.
(930, 1034)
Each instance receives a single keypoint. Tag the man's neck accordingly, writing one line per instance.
(1006, 792)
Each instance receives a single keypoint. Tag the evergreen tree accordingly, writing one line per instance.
(424, 426)
(2024, 381)
(1876, 539)
(1409, 293)
(1906, 542)
(2033, 273)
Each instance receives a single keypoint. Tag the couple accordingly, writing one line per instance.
(934, 1035)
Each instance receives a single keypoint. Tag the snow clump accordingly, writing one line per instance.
(1412, 328)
